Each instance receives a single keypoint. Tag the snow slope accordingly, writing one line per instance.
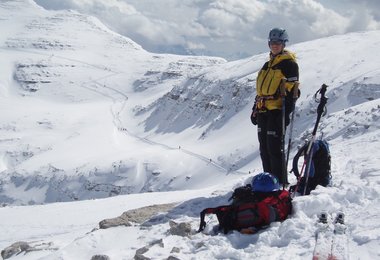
(75, 141)
(88, 114)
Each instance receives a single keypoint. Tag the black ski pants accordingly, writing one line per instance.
(269, 128)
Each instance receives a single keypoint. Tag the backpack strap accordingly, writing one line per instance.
(202, 224)
(295, 160)
(216, 210)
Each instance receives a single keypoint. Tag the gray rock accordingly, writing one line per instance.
(141, 251)
(25, 247)
(175, 250)
(140, 257)
(100, 257)
(114, 222)
(180, 229)
(15, 249)
(172, 258)
(139, 216)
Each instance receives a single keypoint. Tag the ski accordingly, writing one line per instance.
(339, 247)
(331, 241)
(323, 238)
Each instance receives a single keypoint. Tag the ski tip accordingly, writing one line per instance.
(322, 217)
(339, 218)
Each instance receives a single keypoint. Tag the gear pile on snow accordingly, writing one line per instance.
(254, 206)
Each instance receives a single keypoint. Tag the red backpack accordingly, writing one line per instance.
(275, 206)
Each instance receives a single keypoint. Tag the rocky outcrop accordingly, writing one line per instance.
(25, 247)
(139, 216)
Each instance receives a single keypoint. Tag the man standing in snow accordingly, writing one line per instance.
(281, 71)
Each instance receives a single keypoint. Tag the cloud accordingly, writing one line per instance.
(228, 28)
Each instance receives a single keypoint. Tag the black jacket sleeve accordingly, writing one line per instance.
(290, 70)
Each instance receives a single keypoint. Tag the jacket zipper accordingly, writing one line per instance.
(266, 74)
(271, 78)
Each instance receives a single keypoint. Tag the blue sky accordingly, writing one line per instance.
(231, 29)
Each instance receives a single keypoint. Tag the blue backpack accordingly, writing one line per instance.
(320, 167)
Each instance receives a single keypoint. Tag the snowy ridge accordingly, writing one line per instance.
(88, 114)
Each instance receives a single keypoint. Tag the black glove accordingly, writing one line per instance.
(254, 117)
(254, 114)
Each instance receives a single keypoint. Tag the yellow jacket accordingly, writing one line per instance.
(282, 66)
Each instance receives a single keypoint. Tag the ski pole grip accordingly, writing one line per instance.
(295, 90)
(282, 87)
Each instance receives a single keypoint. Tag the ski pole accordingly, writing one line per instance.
(299, 179)
(284, 170)
(320, 109)
(295, 97)
(308, 164)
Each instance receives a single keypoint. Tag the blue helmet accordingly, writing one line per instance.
(265, 182)
(278, 35)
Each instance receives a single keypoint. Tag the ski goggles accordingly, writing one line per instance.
(276, 42)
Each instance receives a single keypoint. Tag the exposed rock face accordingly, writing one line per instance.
(139, 216)
(25, 247)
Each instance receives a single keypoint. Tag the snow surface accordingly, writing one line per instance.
(87, 114)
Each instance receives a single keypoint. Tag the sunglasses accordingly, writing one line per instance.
(275, 42)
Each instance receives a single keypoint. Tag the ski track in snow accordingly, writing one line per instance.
(118, 122)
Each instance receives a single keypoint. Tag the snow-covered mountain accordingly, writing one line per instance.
(88, 114)
(73, 86)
